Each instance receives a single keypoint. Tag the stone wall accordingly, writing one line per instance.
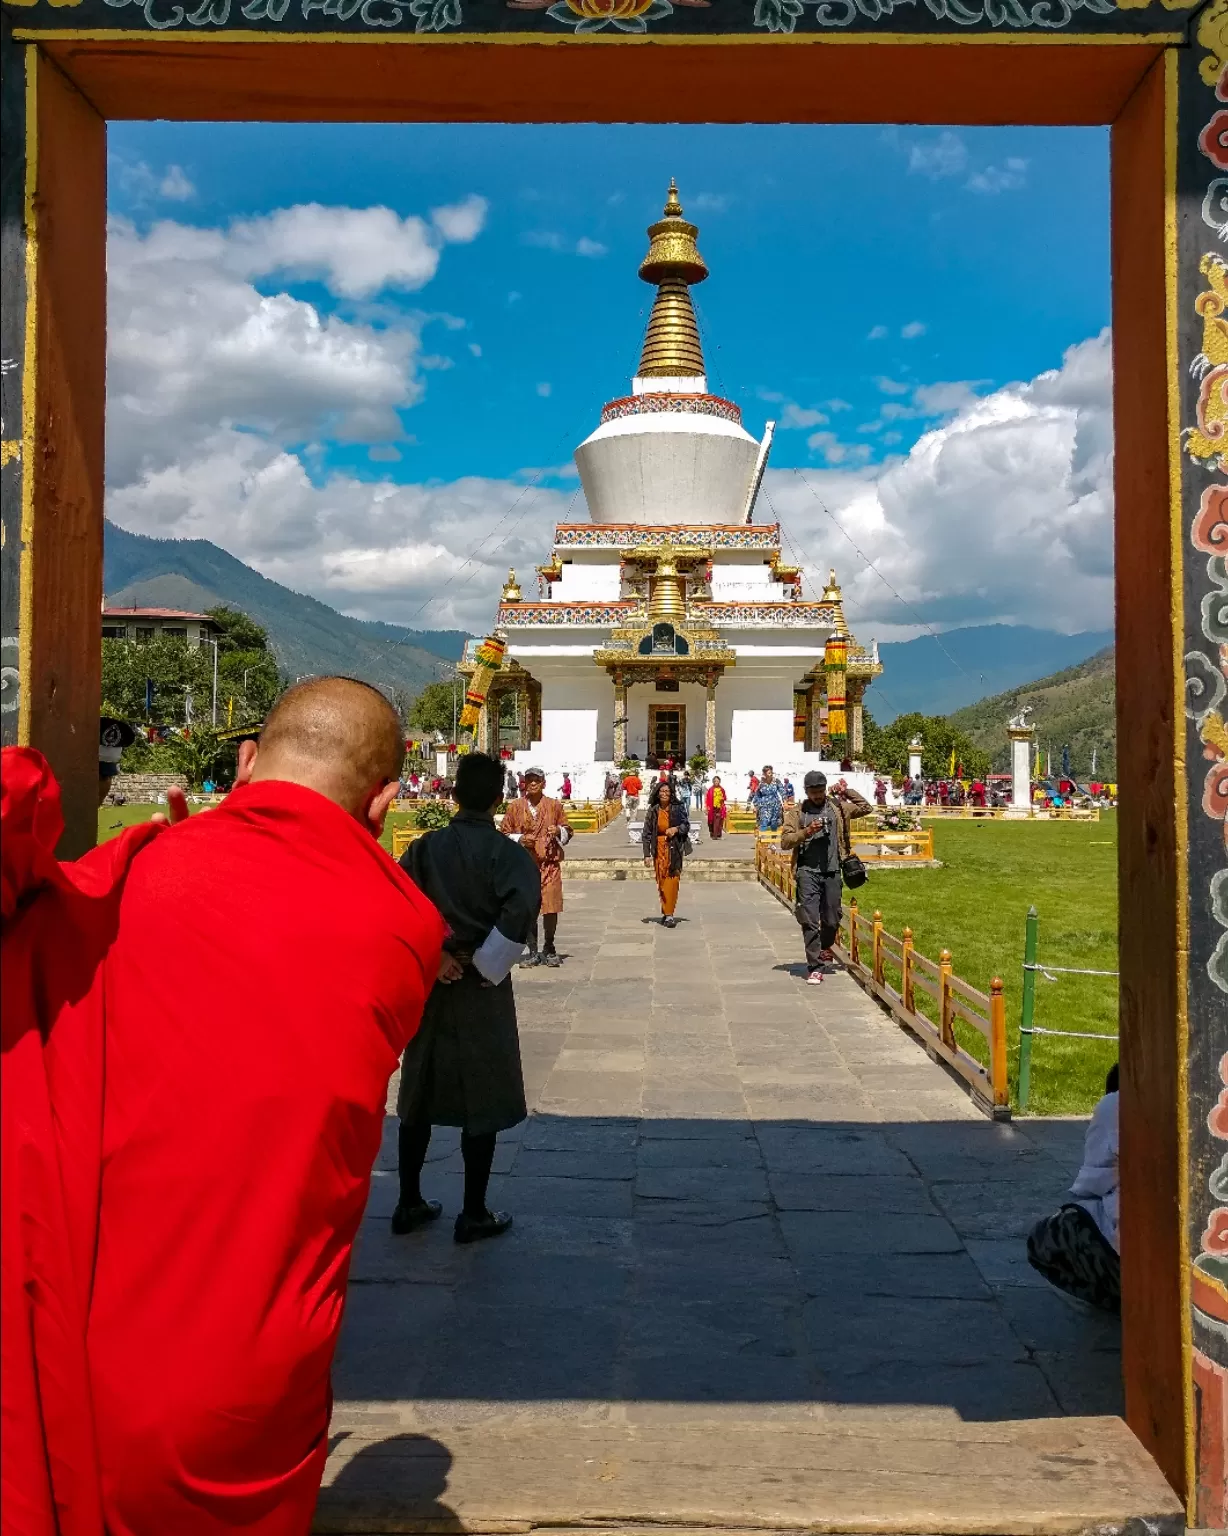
(143, 788)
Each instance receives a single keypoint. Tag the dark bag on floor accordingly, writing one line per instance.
(853, 872)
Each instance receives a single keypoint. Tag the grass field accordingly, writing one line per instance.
(975, 906)
(112, 819)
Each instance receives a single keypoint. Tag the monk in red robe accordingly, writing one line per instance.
(250, 980)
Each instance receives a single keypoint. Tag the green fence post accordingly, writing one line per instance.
(1028, 1007)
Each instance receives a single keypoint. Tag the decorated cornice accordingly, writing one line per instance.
(863, 663)
(576, 615)
(655, 404)
(770, 615)
(625, 537)
(547, 19)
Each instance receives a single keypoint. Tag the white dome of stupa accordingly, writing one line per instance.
(670, 452)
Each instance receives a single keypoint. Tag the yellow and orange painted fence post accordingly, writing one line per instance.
(906, 987)
(947, 1012)
(997, 1042)
(854, 942)
(878, 948)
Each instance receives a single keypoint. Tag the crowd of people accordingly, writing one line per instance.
(138, 1397)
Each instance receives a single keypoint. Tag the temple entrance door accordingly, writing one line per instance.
(666, 733)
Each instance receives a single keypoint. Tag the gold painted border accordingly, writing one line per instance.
(1181, 788)
(29, 365)
(622, 40)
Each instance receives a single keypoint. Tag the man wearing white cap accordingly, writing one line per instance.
(540, 825)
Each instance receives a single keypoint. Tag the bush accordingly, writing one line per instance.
(430, 815)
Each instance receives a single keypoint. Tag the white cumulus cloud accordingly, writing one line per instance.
(220, 397)
(460, 223)
(1002, 514)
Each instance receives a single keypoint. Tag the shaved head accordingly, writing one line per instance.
(337, 736)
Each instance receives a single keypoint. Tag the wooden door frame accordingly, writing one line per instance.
(657, 709)
(1149, 69)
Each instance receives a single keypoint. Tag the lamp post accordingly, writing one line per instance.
(213, 643)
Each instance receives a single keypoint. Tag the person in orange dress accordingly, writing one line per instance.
(667, 832)
(541, 826)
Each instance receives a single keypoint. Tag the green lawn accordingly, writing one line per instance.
(112, 819)
(975, 906)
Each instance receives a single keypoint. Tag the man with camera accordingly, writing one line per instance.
(817, 829)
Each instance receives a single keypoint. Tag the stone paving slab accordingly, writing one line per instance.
(767, 1272)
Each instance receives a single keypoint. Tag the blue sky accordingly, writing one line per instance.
(868, 284)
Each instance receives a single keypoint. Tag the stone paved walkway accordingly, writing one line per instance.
(613, 842)
(767, 1269)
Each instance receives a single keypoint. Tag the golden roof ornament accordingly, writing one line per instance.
(833, 596)
(511, 591)
(672, 347)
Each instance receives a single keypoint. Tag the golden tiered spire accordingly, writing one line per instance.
(833, 596)
(671, 346)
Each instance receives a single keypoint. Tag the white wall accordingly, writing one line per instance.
(746, 584)
(585, 583)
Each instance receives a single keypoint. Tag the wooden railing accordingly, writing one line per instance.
(591, 815)
(915, 847)
(1009, 813)
(869, 951)
(584, 816)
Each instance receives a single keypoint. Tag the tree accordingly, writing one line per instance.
(238, 630)
(438, 707)
(170, 683)
(248, 680)
(887, 746)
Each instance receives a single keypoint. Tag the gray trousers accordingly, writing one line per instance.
(818, 911)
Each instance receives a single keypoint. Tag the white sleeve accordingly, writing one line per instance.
(494, 957)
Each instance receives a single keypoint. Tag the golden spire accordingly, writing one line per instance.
(671, 346)
(668, 600)
(833, 596)
(511, 591)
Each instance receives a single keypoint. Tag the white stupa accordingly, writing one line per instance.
(668, 623)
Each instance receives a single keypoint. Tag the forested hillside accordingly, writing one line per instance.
(306, 636)
(1074, 708)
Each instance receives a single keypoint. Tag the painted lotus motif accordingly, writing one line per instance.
(593, 15)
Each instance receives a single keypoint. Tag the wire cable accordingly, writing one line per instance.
(904, 603)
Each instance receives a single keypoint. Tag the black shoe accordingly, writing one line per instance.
(530, 960)
(550, 958)
(408, 1218)
(670, 922)
(472, 1229)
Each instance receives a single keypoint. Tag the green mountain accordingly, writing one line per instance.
(1074, 708)
(934, 675)
(307, 636)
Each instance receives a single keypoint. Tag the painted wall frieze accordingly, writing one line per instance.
(612, 18)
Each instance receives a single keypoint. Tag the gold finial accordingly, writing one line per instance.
(834, 598)
(672, 347)
(511, 591)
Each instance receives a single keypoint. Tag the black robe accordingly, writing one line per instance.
(463, 1066)
(679, 846)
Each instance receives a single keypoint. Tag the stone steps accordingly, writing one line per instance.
(710, 870)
